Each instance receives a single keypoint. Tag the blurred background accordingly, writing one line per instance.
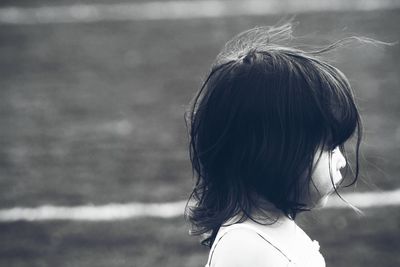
(92, 98)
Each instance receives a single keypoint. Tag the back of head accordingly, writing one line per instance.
(257, 122)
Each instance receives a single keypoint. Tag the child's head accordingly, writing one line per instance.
(265, 118)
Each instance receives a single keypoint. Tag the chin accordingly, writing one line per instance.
(322, 202)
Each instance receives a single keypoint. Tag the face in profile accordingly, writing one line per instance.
(326, 174)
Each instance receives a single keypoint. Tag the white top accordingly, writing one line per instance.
(306, 254)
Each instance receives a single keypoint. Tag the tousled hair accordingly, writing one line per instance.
(256, 123)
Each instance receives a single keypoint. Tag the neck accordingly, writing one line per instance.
(261, 216)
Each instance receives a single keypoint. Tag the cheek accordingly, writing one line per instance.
(319, 193)
(321, 174)
(321, 184)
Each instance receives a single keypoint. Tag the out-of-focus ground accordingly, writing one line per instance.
(93, 113)
(346, 240)
(41, 3)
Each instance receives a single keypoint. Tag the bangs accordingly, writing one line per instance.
(341, 119)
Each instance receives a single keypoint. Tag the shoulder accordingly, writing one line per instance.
(244, 247)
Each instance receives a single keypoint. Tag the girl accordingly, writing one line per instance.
(267, 134)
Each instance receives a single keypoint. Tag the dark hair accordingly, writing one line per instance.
(257, 122)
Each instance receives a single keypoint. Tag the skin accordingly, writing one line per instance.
(327, 168)
(245, 248)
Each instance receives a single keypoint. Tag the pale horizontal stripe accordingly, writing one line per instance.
(83, 13)
(107, 212)
(366, 199)
(112, 212)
